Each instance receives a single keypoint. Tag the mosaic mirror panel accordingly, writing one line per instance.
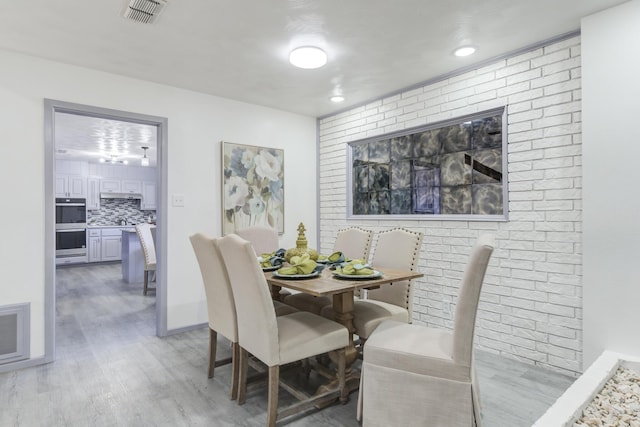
(453, 169)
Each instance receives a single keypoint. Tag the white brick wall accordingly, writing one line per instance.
(531, 302)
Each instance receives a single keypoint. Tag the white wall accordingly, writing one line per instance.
(531, 307)
(611, 149)
(197, 124)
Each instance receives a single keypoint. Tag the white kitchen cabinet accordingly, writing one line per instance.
(111, 247)
(131, 187)
(110, 185)
(93, 194)
(72, 186)
(105, 244)
(148, 196)
(95, 245)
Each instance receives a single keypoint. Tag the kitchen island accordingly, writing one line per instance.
(132, 257)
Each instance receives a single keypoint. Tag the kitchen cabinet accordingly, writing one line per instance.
(111, 248)
(148, 202)
(93, 194)
(110, 185)
(72, 186)
(95, 245)
(131, 187)
(105, 244)
(111, 244)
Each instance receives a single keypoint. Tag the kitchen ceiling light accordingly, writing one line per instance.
(337, 98)
(145, 160)
(464, 51)
(308, 57)
(113, 160)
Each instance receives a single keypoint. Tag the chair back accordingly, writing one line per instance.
(354, 242)
(217, 288)
(264, 239)
(397, 249)
(257, 327)
(148, 247)
(467, 306)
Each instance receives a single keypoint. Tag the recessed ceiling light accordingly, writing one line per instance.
(464, 51)
(337, 98)
(308, 57)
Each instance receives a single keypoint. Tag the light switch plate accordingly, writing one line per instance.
(177, 200)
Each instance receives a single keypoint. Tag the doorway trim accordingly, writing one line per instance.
(52, 106)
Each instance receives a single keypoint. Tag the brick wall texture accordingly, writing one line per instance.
(531, 302)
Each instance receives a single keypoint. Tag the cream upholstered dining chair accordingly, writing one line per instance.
(221, 308)
(148, 251)
(276, 340)
(354, 243)
(264, 239)
(396, 249)
(416, 375)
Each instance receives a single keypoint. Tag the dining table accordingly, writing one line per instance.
(342, 290)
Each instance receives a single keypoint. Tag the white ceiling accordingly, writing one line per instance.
(239, 49)
(92, 139)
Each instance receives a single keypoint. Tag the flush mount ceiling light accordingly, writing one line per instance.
(464, 51)
(337, 98)
(145, 160)
(113, 160)
(308, 57)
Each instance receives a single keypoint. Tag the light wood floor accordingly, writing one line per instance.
(111, 370)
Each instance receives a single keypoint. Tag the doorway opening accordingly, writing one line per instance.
(102, 142)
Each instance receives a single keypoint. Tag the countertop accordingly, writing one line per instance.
(153, 224)
(111, 226)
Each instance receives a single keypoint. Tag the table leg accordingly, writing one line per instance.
(343, 309)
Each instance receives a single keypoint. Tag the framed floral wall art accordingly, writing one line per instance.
(253, 187)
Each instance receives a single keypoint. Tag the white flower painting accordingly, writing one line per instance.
(253, 187)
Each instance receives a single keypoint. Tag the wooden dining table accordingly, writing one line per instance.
(342, 291)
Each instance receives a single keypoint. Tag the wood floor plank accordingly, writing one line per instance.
(111, 370)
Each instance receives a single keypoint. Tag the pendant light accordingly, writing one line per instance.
(145, 160)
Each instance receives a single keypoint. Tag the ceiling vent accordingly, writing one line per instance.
(144, 11)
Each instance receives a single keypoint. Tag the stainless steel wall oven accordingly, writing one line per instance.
(71, 230)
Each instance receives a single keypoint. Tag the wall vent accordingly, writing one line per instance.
(14, 332)
(144, 11)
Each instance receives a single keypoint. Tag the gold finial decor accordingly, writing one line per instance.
(301, 246)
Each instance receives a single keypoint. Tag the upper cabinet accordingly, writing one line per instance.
(131, 186)
(83, 180)
(148, 202)
(73, 186)
(110, 185)
(93, 193)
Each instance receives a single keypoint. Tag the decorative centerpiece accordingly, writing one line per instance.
(301, 247)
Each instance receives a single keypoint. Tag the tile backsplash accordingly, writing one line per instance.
(113, 210)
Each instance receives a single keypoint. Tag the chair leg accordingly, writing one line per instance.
(146, 282)
(242, 375)
(274, 380)
(213, 345)
(475, 396)
(235, 354)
